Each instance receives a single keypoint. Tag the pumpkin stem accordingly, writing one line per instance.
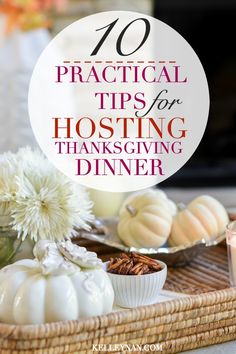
(131, 210)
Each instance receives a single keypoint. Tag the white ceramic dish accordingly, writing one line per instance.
(137, 290)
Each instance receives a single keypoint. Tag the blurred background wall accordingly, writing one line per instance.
(81, 8)
(209, 27)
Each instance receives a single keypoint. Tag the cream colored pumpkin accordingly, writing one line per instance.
(204, 218)
(146, 218)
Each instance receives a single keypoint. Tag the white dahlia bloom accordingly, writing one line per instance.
(9, 169)
(44, 203)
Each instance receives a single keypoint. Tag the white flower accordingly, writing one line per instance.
(9, 169)
(42, 202)
(82, 206)
(47, 209)
(32, 160)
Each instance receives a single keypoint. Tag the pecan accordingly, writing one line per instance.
(144, 269)
(130, 266)
(137, 269)
(151, 263)
(125, 267)
(115, 263)
(133, 264)
(121, 269)
(124, 255)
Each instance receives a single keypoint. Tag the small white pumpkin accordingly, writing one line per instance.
(54, 288)
(204, 218)
(146, 218)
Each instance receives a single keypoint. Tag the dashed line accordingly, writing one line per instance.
(119, 61)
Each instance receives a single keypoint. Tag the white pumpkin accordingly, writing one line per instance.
(146, 218)
(204, 218)
(52, 288)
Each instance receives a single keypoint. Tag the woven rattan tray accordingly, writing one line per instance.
(207, 316)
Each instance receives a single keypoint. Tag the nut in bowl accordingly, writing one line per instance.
(136, 279)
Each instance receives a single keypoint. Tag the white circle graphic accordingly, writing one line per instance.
(118, 101)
